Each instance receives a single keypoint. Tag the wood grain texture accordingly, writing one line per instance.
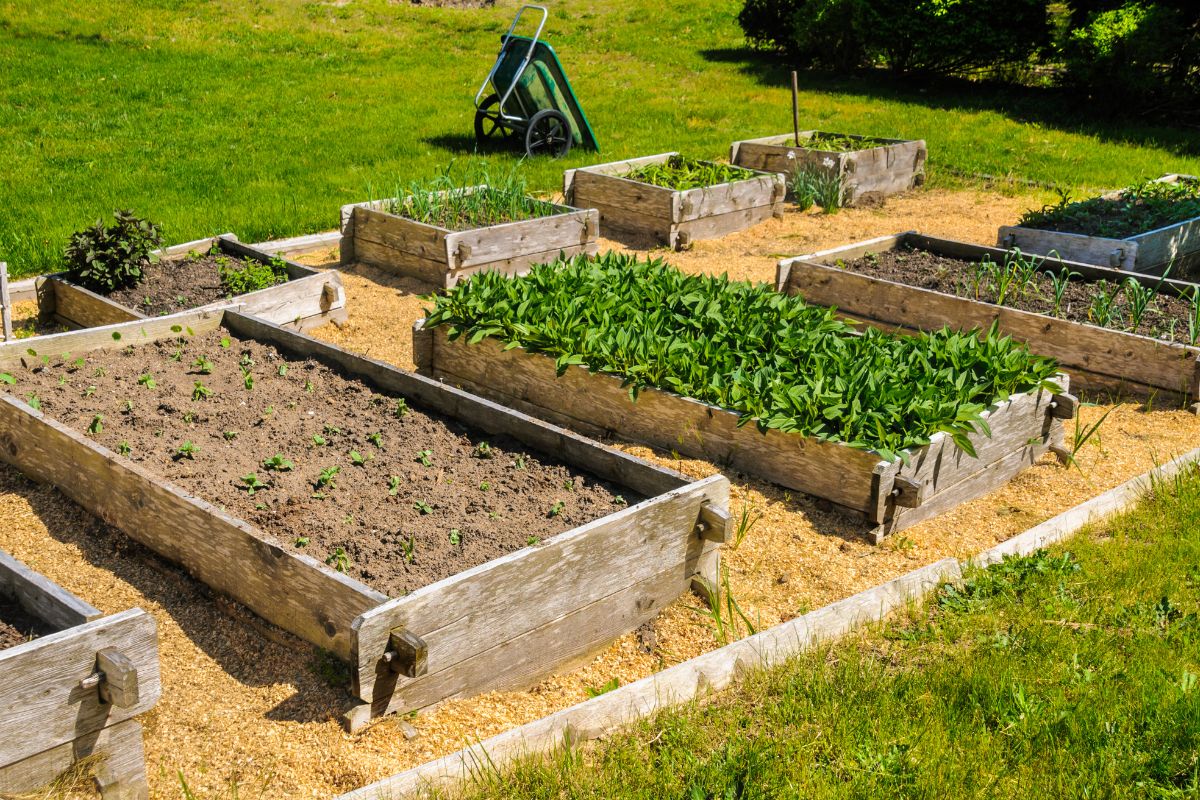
(1119, 253)
(6, 301)
(41, 698)
(119, 775)
(81, 308)
(42, 598)
(503, 599)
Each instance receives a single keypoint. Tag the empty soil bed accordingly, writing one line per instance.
(389, 494)
(179, 284)
(1165, 318)
(17, 626)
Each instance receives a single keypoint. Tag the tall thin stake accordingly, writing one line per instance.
(796, 107)
(5, 304)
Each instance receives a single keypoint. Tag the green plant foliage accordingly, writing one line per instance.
(810, 187)
(680, 173)
(248, 275)
(774, 359)
(1137, 209)
(104, 259)
(840, 142)
(455, 203)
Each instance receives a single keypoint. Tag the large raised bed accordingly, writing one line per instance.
(1096, 357)
(374, 235)
(72, 691)
(503, 623)
(308, 299)
(889, 494)
(673, 217)
(882, 167)
(1175, 246)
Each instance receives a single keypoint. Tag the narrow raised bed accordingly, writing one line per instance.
(308, 299)
(502, 624)
(73, 691)
(675, 218)
(867, 175)
(1175, 246)
(890, 495)
(441, 256)
(1095, 357)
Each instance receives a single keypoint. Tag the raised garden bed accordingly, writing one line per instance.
(187, 277)
(638, 196)
(914, 282)
(1152, 228)
(394, 504)
(442, 248)
(868, 168)
(74, 680)
(783, 398)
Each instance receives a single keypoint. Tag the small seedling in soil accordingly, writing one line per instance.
(247, 380)
(569, 484)
(75, 365)
(100, 372)
(230, 435)
(410, 550)
(483, 450)
(89, 391)
(301, 541)
(268, 411)
(189, 417)
(308, 387)
(225, 342)
(34, 402)
(393, 485)
(425, 457)
(520, 462)
(203, 365)
(319, 441)
(123, 448)
(326, 477)
(246, 361)
(484, 486)
(746, 520)
(401, 408)
(282, 370)
(332, 431)
(557, 508)
(127, 407)
(422, 507)
(348, 519)
(6, 378)
(97, 425)
(455, 537)
(620, 500)
(148, 381)
(493, 515)
(532, 540)
(278, 463)
(376, 439)
(357, 458)
(338, 559)
(62, 380)
(187, 450)
(252, 483)
(177, 354)
(200, 391)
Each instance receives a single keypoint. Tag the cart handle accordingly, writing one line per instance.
(524, 62)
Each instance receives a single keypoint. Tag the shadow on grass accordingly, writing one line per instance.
(465, 144)
(1063, 109)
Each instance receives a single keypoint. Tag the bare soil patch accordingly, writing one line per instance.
(17, 626)
(177, 284)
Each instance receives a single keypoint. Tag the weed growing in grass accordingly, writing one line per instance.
(1081, 437)
(747, 517)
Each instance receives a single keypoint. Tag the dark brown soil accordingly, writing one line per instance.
(175, 285)
(480, 497)
(17, 626)
(1165, 318)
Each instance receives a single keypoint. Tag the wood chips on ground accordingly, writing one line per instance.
(245, 703)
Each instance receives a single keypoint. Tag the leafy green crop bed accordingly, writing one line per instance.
(772, 358)
(1136, 209)
(841, 143)
(451, 203)
(680, 173)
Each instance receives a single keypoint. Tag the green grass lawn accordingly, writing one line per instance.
(263, 117)
(1068, 674)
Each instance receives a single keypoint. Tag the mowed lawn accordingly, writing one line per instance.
(1073, 673)
(262, 117)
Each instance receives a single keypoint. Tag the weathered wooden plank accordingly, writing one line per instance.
(1120, 253)
(611, 189)
(42, 598)
(520, 265)
(82, 308)
(120, 772)
(400, 233)
(1176, 246)
(719, 225)
(6, 328)
(464, 615)
(41, 697)
(299, 245)
(507, 242)
(708, 201)
(399, 262)
(26, 289)
(229, 555)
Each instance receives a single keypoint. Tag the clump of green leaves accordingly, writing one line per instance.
(252, 484)
(187, 450)
(248, 275)
(200, 391)
(401, 408)
(814, 187)
(681, 173)
(339, 559)
(203, 365)
(326, 477)
(774, 359)
(422, 508)
(841, 142)
(425, 457)
(147, 380)
(278, 463)
(452, 202)
(1136, 209)
(106, 258)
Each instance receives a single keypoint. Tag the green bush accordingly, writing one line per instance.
(104, 259)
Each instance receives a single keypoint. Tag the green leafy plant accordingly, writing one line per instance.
(203, 365)
(393, 485)
(1104, 308)
(97, 424)
(7, 378)
(1136, 209)
(107, 258)
(728, 620)
(483, 450)
(278, 463)
(326, 478)
(1059, 282)
(200, 391)
(339, 559)
(608, 686)
(409, 546)
(230, 435)
(187, 450)
(239, 276)
(226, 342)
(123, 448)
(252, 484)
(282, 370)
(376, 438)
(455, 537)
(457, 202)
(148, 381)
(34, 402)
(319, 441)
(89, 391)
(811, 187)
(401, 408)
(747, 517)
(1139, 299)
(557, 508)
(425, 457)
(681, 173)
(247, 379)
(421, 507)
(358, 459)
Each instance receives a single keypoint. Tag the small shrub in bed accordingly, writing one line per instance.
(105, 258)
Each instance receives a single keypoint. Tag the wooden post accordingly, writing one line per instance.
(6, 329)
(795, 108)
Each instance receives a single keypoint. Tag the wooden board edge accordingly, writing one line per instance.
(42, 597)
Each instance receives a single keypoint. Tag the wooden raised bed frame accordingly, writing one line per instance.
(443, 257)
(309, 299)
(867, 176)
(500, 625)
(889, 495)
(1176, 246)
(75, 692)
(675, 218)
(1096, 358)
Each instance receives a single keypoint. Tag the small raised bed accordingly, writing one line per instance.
(373, 234)
(73, 681)
(861, 286)
(868, 168)
(674, 217)
(307, 299)
(596, 570)
(888, 492)
(1174, 246)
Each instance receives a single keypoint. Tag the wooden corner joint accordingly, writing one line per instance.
(1063, 406)
(463, 252)
(713, 524)
(115, 679)
(907, 493)
(407, 653)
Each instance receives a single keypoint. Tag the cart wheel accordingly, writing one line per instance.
(548, 134)
(488, 124)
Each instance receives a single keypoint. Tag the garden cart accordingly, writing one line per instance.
(526, 97)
